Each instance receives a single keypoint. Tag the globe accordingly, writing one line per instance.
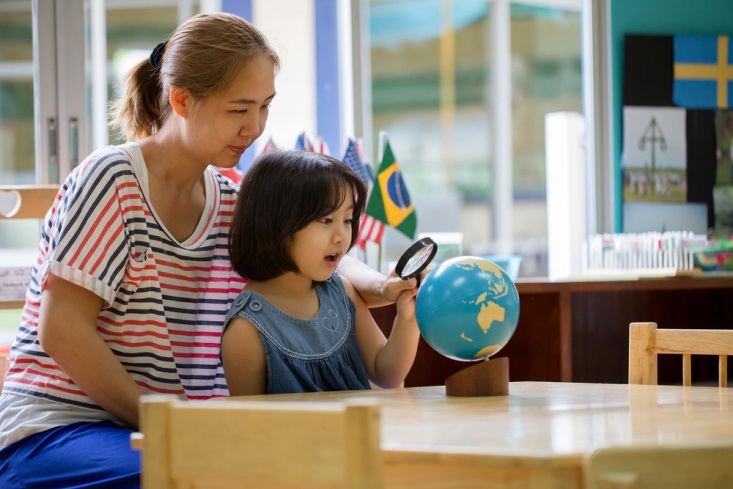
(467, 308)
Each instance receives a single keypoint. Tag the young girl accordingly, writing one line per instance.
(298, 326)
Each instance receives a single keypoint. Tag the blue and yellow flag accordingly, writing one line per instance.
(390, 202)
(703, 72)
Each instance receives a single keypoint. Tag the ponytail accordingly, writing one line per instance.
(140, 113)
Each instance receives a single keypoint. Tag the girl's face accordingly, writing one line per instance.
(223, 125)
(318, 248)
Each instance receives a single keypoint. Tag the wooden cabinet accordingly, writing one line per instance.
(579, 331)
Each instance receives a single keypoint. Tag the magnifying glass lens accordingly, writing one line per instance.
(417, 262)
(416, 258)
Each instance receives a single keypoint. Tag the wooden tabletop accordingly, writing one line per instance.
(543, 422)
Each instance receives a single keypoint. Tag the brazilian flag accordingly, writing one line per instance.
(389, 201)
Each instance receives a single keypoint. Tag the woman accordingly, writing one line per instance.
(133, 278)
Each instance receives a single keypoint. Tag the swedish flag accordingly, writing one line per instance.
(390, 202)
(703, 72)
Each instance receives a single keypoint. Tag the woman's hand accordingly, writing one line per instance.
(375, 288)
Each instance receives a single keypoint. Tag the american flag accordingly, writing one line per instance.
(322, 147)
(303, 143)
(370, 229)
(269, 146)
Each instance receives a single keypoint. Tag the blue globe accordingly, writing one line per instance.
(467, 308)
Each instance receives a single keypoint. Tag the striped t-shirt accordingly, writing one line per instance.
(164, 301)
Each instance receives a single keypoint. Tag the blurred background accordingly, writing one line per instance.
(422, 70)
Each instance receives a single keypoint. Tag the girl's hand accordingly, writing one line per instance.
(393, 286)
(406, 304)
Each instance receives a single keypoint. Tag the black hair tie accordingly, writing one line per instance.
(157, 55)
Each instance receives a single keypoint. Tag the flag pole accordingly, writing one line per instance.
(380, 156)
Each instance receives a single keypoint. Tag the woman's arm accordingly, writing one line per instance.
(375, 289)
(387, 361)
(67, 331)
(243, 358)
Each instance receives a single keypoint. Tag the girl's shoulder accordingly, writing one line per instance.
(340, 284)
(238, 305)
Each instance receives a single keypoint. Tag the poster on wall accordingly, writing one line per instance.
(724, 148)
(723, 190)
(654, 154)
(649, 81)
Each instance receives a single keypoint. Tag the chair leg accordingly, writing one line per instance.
(642, 359)
(723, 371)
(686, 369)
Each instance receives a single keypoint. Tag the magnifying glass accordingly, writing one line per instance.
(416, 258)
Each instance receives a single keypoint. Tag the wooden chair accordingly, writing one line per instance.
(706, 466)
(233, 443)
(26, 201)
(22, 202)
(646, 342)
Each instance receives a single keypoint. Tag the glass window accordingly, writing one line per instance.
(17, 152)
(431, 76)
(129, 29)
(17, 139)
(132, 33)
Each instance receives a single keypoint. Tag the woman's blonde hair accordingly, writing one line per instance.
(202, 56)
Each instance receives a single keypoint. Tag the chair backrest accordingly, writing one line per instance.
(706, 466)
(22, 202)
(4, 364)
(233, 443)
(26, 201)
(646, 341)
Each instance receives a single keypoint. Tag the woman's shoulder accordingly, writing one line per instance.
(227, 185)
(105, 162)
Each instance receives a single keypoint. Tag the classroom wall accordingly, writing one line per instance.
(662, 17)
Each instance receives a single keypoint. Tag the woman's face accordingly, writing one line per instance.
(223, 125)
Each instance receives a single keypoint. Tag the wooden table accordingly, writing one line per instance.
(536, 437)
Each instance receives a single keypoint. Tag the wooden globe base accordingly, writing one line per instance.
(488, 378)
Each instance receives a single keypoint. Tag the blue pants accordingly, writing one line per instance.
(76, 456)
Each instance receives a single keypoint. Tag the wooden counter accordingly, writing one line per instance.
(578, 331)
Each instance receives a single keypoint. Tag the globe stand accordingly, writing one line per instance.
(488, 378)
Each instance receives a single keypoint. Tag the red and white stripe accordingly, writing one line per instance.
(164, 302)
(370, 229)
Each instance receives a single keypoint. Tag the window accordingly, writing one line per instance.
(17, 152)
(431, 75)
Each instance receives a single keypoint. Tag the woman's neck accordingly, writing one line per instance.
(176, 186)
(167, 161)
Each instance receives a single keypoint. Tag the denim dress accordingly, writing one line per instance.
(308, 355)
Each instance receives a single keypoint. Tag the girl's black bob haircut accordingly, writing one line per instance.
(282, 192)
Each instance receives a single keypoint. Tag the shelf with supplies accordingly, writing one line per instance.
(577, 331)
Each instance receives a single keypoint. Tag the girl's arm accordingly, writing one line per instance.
(387, 361)
(243, 358)
(374, 288)
(67, 331)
